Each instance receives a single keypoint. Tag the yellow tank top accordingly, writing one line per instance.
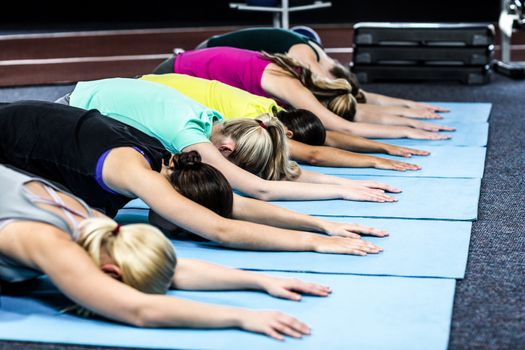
(230, 101)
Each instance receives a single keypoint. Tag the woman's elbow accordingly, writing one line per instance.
(260, 192)
(314, 158)
(221, 232)
(155, 315)
(144, 316)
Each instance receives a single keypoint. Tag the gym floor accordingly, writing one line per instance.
(489, 307)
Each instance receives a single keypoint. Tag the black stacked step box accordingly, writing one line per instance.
(423, 51)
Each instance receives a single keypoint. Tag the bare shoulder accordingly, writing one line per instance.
(302, 52)
(125, 155)
(123, 167)
(25, 241)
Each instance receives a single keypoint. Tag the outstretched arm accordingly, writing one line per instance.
(268, 214)
(291, 90)
(360, 144)
(400, 116)
(335, 157)
(383, 100)
(127, 172)
(378, 187)
(395, 132)
(193, 274)
(52, 251)
(256, 187)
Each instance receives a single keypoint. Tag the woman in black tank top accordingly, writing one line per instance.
(107, 163)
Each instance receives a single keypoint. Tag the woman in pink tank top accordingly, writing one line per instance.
(287, 80)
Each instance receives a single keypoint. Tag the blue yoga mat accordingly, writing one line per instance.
(442, 162)
(132, 215)
(364, 312)
(472, 112)
(466, 134)
(422, 198)
(415, 248)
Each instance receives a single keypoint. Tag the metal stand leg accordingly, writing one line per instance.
(277, 20)
(505, 40)
(511, 14)
(286, 14)
(505, 48)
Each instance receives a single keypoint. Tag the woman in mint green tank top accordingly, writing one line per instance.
(249, 152)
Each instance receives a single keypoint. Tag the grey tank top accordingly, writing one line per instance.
(17, 203)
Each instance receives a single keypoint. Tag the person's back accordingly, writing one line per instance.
(236, 67)
(271, 40)
(230, 101)
(161, 112)
(19, 203)
(66, 144)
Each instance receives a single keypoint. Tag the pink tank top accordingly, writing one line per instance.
(240, 68)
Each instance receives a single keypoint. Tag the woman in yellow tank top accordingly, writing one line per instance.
(309, 142)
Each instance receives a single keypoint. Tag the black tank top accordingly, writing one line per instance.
(271, 40)
(63, 144)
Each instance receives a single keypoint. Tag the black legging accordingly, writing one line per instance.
(166, 66)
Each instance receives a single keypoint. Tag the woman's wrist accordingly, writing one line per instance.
(258, 281)
(238, 317)
(385, 149)
(323, 226)
(370, 161)
(309, 242)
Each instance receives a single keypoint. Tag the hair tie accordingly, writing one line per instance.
(116, 230)
(261, 124)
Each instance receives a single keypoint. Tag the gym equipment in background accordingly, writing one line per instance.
(423, 51)
(280, 9)
(511, 19)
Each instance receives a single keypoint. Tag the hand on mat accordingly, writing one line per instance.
(430, 126)
(362, 193)
(344, 245)
(419, 134)
(388, 164)
(344, 229)
(292, 288)
(404, 151)
(412, 112)
(413, 104)
(375, 185)
(273, 323)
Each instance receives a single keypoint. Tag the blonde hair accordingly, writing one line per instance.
(339, 71)
(335, 94)
(261, 147)
(144, 255)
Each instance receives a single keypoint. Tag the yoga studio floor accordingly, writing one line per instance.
(489, 303)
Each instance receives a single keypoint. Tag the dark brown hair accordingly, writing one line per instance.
(201, 183)
(305, 126)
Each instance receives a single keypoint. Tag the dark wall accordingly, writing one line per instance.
(178, 13)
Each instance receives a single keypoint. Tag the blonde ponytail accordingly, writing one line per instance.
(340, 71)
(145, 257)
(335, 94)
(261, 147)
